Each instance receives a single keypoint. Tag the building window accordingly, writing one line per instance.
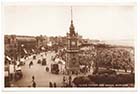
(9, 41)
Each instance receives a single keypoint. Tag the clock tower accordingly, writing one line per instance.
(72, 64)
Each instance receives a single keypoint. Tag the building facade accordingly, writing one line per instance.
(19, 46)
(10, 46)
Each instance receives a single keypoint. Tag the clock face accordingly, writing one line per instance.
(73, 43)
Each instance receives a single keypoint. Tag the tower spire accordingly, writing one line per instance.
(72, 31)
(71, 14)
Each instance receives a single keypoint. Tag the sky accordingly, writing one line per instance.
(93, 22)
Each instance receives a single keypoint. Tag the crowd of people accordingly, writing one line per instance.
(116, 58)
(106, 57)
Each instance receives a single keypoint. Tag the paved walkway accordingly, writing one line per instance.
(42, 78)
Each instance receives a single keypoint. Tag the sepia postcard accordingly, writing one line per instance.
(69, 46)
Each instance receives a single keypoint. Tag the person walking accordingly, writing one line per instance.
(64, 81)
(33, 78)
(70, 81)
(50, 84)
(54, 84)
(34, 84)
(30, 64)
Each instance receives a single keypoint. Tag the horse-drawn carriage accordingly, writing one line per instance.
(54, 68)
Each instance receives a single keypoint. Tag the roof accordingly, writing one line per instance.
(25, 38)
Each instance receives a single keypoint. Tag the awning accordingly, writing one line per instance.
(63, 62)
(25, 51)
(17, 68)
(7, 57)
(33, 50)
(60, 61)
(57, 60)
(17, 62)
